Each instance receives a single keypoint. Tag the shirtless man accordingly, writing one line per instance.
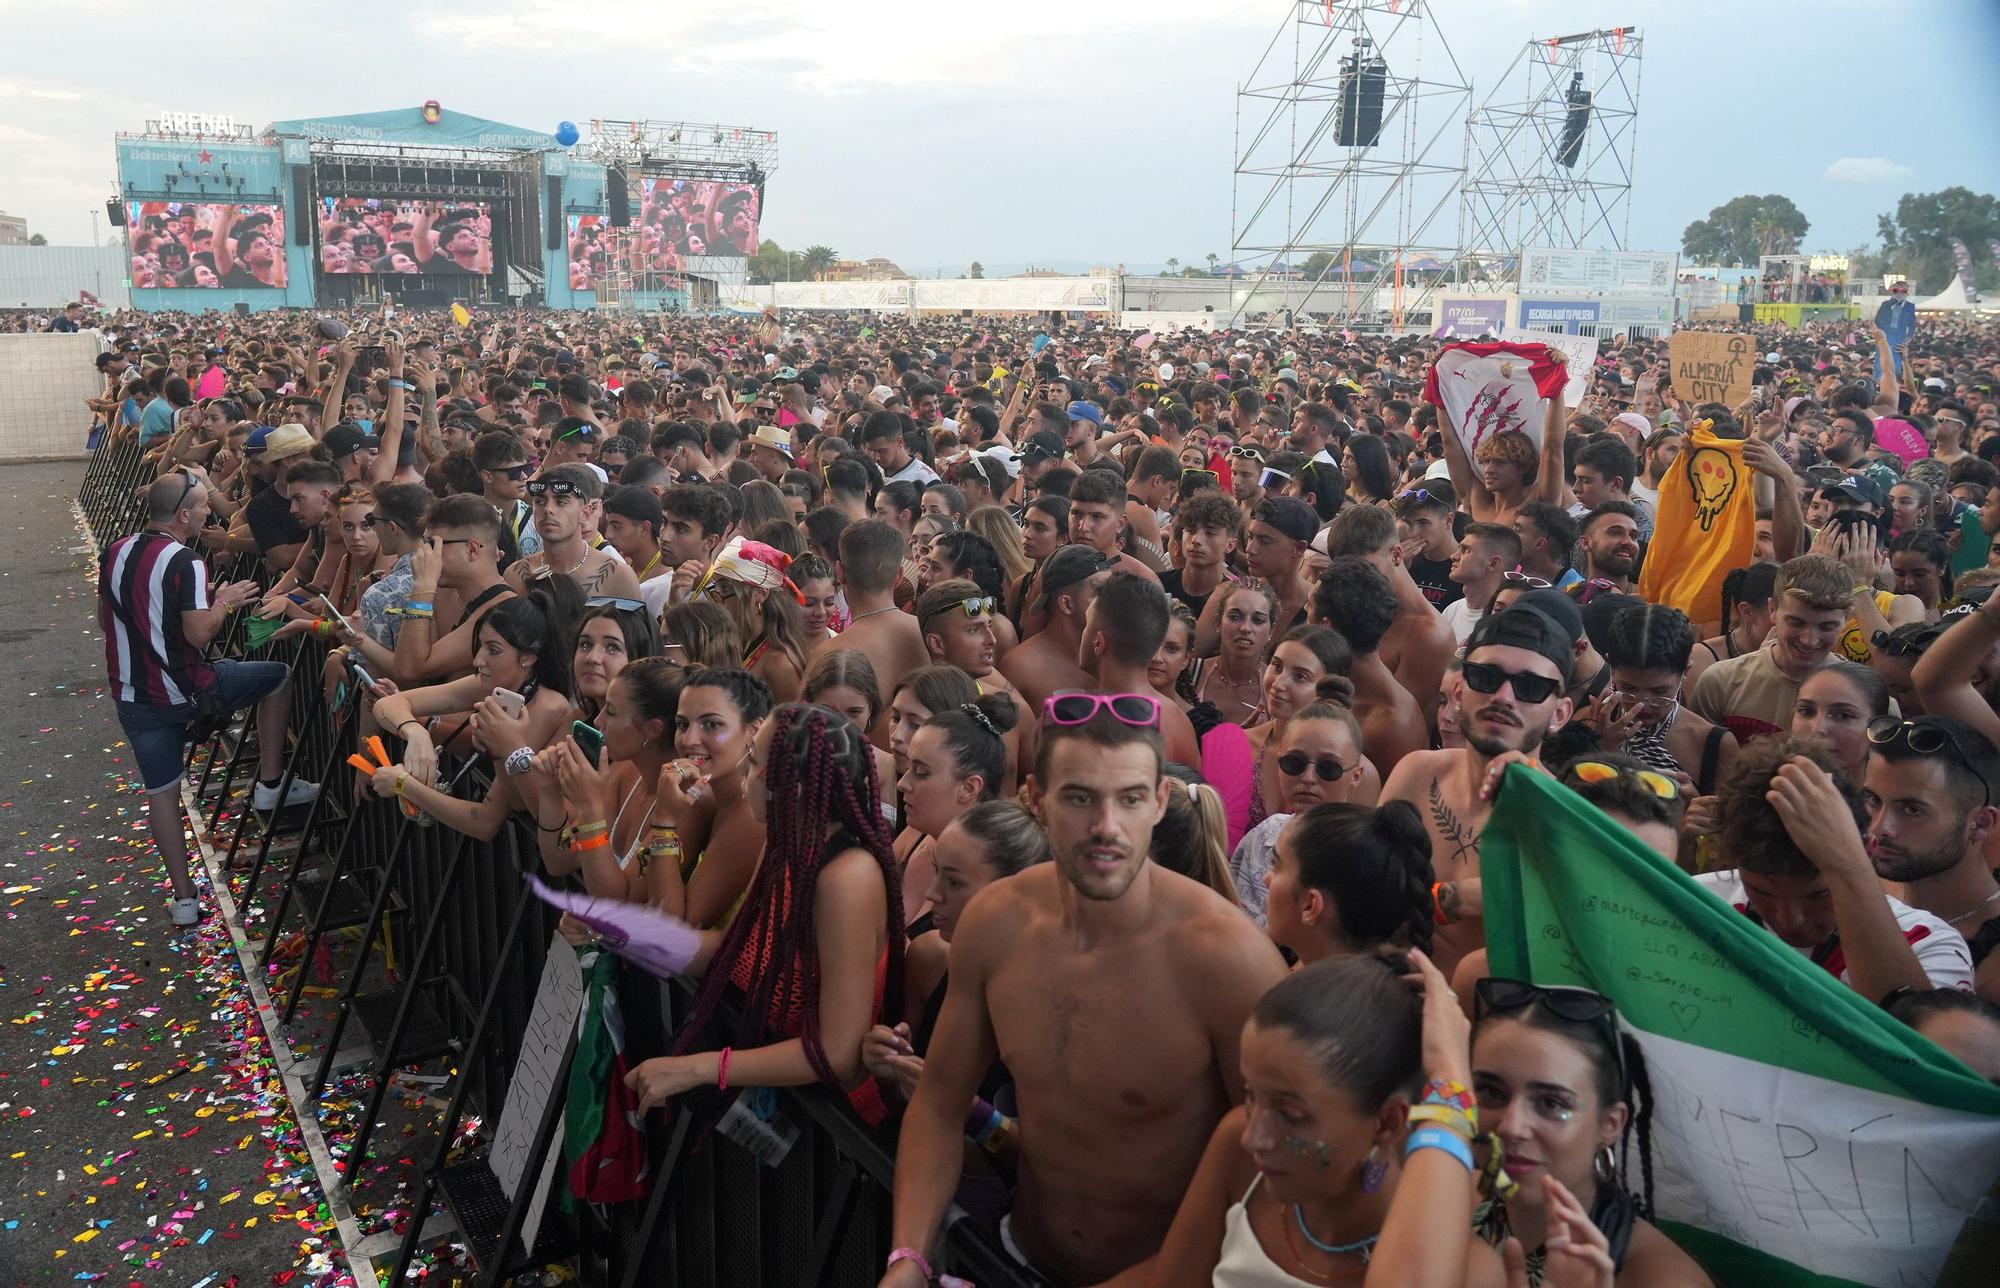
(1274, 548)
(1511, 650)
(460, 553)
(1114, 990)
(1510, 472)
(567, 500)
(1122, 630)
(1353, 598)
(1419, 643)
(1098, 519)
(956, 621)
(1046, 663)
(871, 554)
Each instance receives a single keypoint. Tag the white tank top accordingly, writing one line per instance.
(1244, 1263)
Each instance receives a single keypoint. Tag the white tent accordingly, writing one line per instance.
(1952, 299)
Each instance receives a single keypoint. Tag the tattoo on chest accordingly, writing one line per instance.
(1462, 840)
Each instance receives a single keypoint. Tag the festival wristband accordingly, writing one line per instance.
(1439, 1138)
(912, 1255)
(722, 1070)
(1447, 1118)
(1445, 1091)
(400, 384)
(1438, 913)
(599, 842)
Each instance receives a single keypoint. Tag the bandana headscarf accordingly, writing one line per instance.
(754, 564)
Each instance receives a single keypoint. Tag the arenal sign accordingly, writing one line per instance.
(210, 124)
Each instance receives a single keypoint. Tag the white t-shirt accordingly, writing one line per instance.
(917, 471)
(1940, 949)
(1461, 615)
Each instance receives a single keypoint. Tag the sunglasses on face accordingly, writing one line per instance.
(1140, 710)
(513, 472)
(1484, 677)
(1596, 771)
(1271, 478)
(553, 487)
(1926, 739)
(1294, 764)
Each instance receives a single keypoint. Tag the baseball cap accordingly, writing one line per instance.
(1289, 515)
(1005, 459)
(1070, 565)
(1524, 628)
(1042, 445)
(1560, 610)
(1862, 488)
(1089, 411)
(1911, 638)
(344, 440)
(1601, 612)
(283, 442)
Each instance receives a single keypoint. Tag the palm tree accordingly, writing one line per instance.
(817, 259)
(1213, 260)
(1173, 266)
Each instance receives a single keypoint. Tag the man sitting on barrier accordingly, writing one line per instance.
(1115, 991)
(158, 613)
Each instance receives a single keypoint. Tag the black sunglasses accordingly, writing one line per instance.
(1295, 763)
(1926, 738)
(553, 487)
(1484, 677)
(1494, 995)
(618, 602)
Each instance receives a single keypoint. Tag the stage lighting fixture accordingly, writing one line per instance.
(432, 112)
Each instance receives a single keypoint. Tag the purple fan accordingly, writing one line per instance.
(643, 935)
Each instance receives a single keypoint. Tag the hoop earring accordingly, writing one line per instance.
(1605, 1166)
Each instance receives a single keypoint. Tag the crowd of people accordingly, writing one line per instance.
(1075, 747)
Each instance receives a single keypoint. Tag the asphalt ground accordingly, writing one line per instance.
(145, 1137)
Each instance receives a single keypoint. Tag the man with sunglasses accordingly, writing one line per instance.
(1117, 989)
(957, 623)
(1931, 792)
(503, 475)
(568, 502)
(460, 553)
(1510, 699)
(1793, 829)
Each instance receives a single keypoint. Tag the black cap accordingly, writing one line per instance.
(1559, 608)
(347, 438)
(1289, 515)
(1602, 611)
(1519, 627)
(1070, 565)
(1042, 445)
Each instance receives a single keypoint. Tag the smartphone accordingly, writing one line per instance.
(510, 702)
(339, 616)
(361, 675)
(588, 738)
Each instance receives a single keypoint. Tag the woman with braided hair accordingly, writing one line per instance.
(817, 947)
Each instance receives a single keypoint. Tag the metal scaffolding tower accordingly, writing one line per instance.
(1549, 154)
(1318, 173)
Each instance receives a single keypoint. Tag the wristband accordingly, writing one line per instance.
(1439, 1138)
(592, 828)
(1447, 1117)
(1437, 905)
(411, 721)
(402, 781)
(982, 1121)
(399, 384)
(722, 1070)
(911, 1254)
(1445, 1091)
(520, 760)
(599, 842)
(420, 605)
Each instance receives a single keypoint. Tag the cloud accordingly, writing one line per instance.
(1867, 170)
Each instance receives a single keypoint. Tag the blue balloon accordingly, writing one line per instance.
(566, 133)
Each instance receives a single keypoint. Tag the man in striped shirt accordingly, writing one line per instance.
(158, 614)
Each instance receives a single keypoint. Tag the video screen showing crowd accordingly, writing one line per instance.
(206, 245)
(1274, 807)
(383, 237)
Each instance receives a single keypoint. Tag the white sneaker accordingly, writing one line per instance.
(264, 799)
(185, 912)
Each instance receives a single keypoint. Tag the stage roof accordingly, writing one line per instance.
(406, 125)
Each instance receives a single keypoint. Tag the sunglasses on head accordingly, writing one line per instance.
(1295, 763)
(1484, 677)
(1496, 996)
(1201, 477)
(553, 487)
(1515, 576)
(618, 602)
(1596, 771)
(1140, 710)
(1264, 479)
(1926, 738)
(977, 606)
(1248, 454)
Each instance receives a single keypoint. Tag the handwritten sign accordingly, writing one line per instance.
(539, 1073)
(1712, 366)
(1579, 353)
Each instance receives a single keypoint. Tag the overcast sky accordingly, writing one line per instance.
(1066, 133)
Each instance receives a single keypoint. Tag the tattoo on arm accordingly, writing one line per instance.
(1447, 901)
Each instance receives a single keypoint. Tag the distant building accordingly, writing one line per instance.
(13, 230)
(865, 270)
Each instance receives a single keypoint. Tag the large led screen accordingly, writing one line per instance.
(184, 243)
(701, 216)
(596, 248)
(384, 236)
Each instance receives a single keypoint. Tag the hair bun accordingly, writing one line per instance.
(1399, 823)
(1337, 689)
